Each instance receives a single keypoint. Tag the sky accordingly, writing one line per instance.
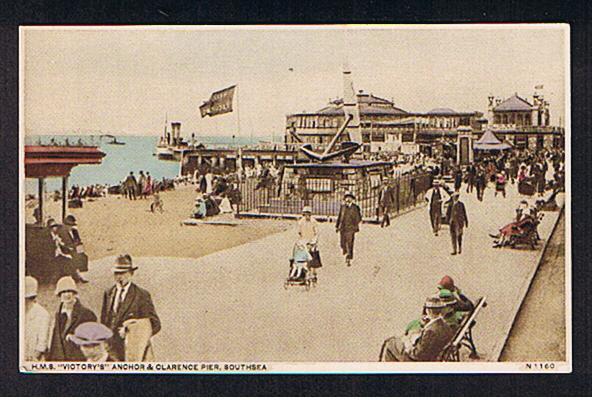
(127, 81)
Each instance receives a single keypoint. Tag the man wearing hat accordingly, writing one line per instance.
(36, 323)
(456, 215)
(130, 186)
(70, 314)
(72, 240)
(435, 200)
(429, 337)
(308, 230)
(348, 223)
(385, 202)
(124, 303)
(92, 338)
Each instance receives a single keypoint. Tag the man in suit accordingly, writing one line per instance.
(458, 175)
(385, 202)
(71, 313)
(124, 303)
(457, 220)
(348, 223)
(131, 186)
(435, 201)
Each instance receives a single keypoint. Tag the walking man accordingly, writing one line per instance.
(125, 304)
(141, 184)
(457, 220)
(480, 183)
(470, 178)
(458, 179)
(348, 223)
(385, 202)
(131, 186)
(435, 199)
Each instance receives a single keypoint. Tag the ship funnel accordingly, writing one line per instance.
(176, 129)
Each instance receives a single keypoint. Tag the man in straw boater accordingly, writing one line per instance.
(434, 197)
(425, 339)
(70, 314)
(129, 312)
(92, 338)
(348, 223)
(36, 323)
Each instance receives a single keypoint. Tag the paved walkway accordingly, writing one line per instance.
(231, 305)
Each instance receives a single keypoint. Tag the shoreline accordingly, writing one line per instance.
(113, 225)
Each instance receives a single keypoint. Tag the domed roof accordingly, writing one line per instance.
(442, 110)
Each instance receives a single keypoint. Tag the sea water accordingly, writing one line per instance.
(137, 154)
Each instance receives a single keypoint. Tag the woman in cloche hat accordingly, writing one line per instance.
(70, 314)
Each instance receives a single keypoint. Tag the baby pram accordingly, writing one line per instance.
(305, 279)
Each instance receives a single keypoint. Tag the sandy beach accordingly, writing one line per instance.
(113, 225)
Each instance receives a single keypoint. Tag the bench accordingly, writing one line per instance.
(463, 336)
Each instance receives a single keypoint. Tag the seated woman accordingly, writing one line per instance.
(225, 207)
(199, 209)
(523, 218)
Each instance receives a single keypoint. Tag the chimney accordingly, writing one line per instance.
(176, 129)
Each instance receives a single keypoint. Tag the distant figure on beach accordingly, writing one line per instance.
(348, 223)
(199, 208)
(147, 190)
(157, 204)
(141, 183)
(130, 186)
(209, 182)
(203, 183)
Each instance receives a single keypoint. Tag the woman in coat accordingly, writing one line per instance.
(71, 313)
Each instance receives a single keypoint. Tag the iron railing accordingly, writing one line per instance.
(324, 196)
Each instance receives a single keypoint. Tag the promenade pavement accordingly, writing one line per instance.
(231, 305)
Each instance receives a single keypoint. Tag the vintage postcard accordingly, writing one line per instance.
(295, 199)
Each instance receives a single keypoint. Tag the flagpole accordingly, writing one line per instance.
(237, 112)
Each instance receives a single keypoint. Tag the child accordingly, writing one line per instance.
(301, 256)
(157, 203)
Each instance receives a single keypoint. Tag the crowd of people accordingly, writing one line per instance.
(122, 332)
(128, 318)
(216, 194)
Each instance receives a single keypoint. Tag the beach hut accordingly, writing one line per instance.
(489, 143)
